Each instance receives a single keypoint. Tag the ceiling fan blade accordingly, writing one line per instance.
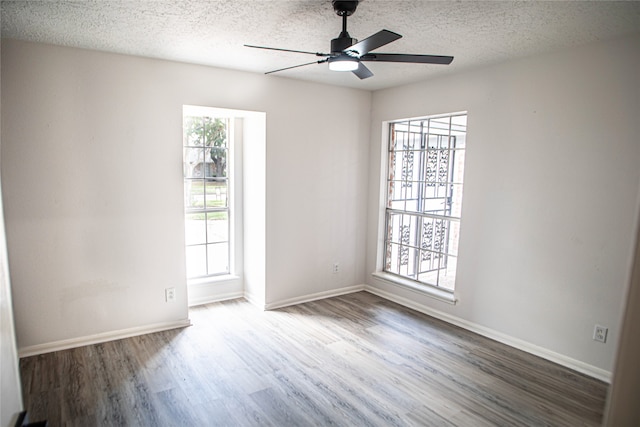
(287, 50)
(362, 72)
(375, 41)
(399, 57)
(296, 66)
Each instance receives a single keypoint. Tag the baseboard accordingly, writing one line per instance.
(100, 338)
(254, 300)
(560, 359)
(314, 297)
(214, 289)
(544, 353)
(215, 298)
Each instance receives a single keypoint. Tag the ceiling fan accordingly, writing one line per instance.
(348, 54)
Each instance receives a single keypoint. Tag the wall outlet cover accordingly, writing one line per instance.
(600, 333)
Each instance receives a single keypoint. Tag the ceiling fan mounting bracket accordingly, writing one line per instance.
(345, 7)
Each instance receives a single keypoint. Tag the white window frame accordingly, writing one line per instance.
(419, 217)
(208, 288)
(205, 179)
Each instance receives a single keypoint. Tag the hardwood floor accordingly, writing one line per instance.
(354, 360)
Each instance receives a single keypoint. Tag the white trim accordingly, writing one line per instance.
(213, 289)
(254, 300)
(314, 297)
(100, 338)
(212, 280)
(427, 290)
(208, 299)
(544, 353)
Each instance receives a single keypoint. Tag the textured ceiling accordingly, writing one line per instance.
(213, 32)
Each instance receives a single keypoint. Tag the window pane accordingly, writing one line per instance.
(196, 261)
(216, 159)
(392, 259)
(393, 232)
(215, 132)
(192, 162)
(459, 125)
(193, 194)
(217, 227)
(408, 261)
(217, 194)
(434, 237)
(444, 276)
(439, 126)
(195, 231)
(218, 258)
(192, 128)
(456, 200)
(454, 237)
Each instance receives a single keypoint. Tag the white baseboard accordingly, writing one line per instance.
(544, 353)
(215, 298)
(214, 289)
(100, 338)
(560, 359)
(254, 300)
(314, 297)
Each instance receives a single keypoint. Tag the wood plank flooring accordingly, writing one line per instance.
(353, 360)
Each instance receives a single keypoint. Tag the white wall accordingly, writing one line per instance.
(254, 216)
(10, 390)
(317, 166)
(91, 167)
(552, 174)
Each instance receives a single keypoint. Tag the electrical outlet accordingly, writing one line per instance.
(600, 333)
(336, 267)
(170, 294)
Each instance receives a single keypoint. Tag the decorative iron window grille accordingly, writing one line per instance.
(424, 198)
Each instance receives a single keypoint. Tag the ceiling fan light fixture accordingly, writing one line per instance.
(343, 64)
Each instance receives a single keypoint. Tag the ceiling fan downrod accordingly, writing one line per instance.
(343, 8)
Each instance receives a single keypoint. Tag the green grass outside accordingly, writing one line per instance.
(211, 204)
(213, 216)
(211, 187)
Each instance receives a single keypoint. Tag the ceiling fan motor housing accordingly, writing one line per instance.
(341, 43)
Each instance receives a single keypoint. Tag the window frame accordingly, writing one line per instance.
(228, 208)
(390, 151)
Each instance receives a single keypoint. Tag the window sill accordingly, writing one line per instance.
(430, 291)
(213, 280)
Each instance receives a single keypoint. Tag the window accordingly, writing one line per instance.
(424, 198)
(206, 165)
